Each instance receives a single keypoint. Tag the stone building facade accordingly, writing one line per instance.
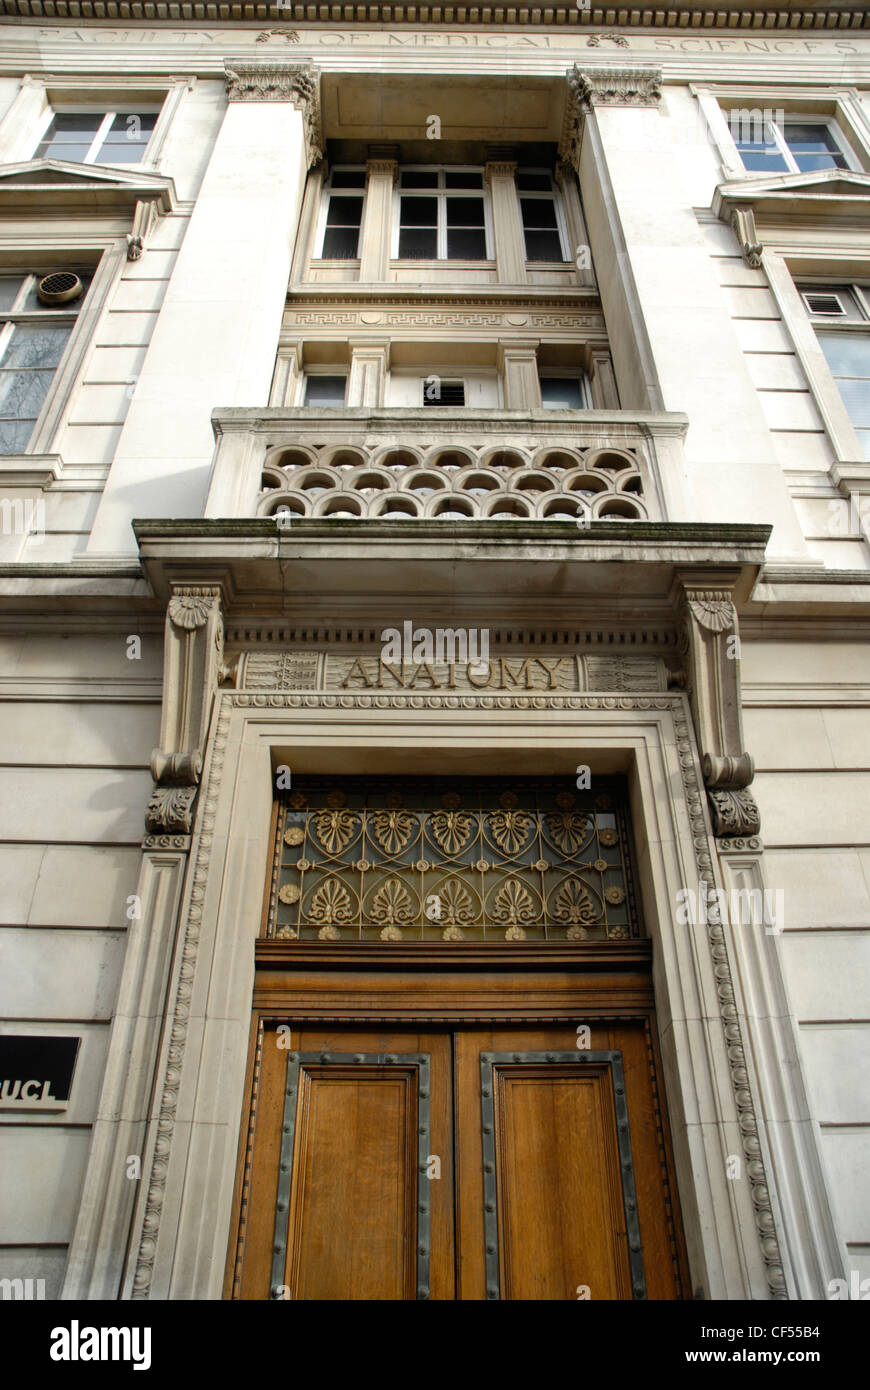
(453, 437)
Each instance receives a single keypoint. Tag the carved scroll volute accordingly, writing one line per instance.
(192, 670)
(711, 651)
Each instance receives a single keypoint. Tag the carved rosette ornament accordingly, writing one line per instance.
(192, 670)
(294, 82)
(710, 648)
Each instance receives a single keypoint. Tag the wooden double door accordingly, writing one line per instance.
(481, 1162)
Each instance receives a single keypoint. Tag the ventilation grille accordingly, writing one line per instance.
(60, 287)
(830, 304)
(437, 392)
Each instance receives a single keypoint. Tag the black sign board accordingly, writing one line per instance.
(36, 1072)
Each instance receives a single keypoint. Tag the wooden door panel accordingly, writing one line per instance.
(352, 1225)
(560, 1220)
(347, 1208)
(593, 1226)
(535, 1208)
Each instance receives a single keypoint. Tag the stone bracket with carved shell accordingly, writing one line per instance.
(710, 648)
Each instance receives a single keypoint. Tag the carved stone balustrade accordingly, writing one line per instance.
(448, 464)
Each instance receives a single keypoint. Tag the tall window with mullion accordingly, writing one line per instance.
(785, 145)
(442, 216)
(840, 315)
(33, 336)
(540, 212)
(98, 137)
(341, 218)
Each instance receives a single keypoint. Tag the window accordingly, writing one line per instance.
(786, 146)
(437, 391)
(565, 393)
(442, 215)
(341, 217)
(98, 137)
(541, 215)
(33, 335)
(840, 315)
(325, 390)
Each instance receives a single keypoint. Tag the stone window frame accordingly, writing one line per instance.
(325, 192)
(53, 109)
(103, 258)
(41, 95)
(442, 193)
(555, 196)
(839, 108)
(786, 271)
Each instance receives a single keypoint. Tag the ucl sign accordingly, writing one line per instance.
(36, 1072)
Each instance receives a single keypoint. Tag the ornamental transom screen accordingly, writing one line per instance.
(453, 859)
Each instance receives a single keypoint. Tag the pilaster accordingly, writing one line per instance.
(510, 250)
(369, 364)
(518, 365)
(381, 175)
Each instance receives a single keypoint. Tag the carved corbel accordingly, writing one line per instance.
(144, 221)
(193, 667)
(710, 648)
(743, 226)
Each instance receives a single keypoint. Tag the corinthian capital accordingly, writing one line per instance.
(296, 83)
(625, 86)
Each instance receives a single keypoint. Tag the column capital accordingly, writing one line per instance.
(636, 85)
(297, 83)
(500, 169)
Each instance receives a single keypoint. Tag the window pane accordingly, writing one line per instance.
(69, 136)
(22, 393)
(419, 212)
(9, 287)
(864, 437)
(466, 244)
(814, 147)
(465, 212)
(561, 393)
(533, 183)
(856, 398)
(418, 244)
(462, 178)
(538, 212)
(127, 138)
(340, 243)
(419, 178)
(543, 246)
(756, 143)
(14, 435)
(35, 346)
(344, 212)
(848, 354)
(348, 178)
(325, 390)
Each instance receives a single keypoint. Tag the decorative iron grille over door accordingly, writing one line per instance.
(499, 859)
